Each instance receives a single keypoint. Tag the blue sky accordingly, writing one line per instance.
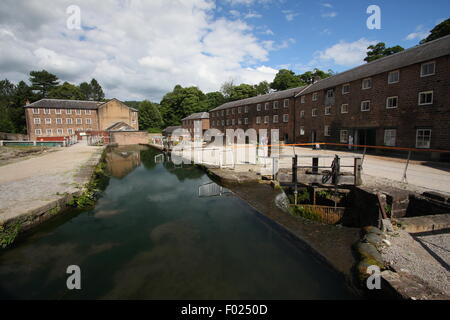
(142, 49)
(318, 25)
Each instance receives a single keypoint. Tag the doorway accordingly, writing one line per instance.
(366, 137)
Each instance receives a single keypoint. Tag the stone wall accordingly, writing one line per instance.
(131, 137)
(13, 136)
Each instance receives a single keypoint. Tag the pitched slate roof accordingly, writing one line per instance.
(120, 126)
(289, 93)
(198, 115)
(69, 104)
(171, 129)
(421, 53)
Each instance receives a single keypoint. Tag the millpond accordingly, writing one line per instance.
(161, 231)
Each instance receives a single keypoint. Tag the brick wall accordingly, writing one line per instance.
(127, 138)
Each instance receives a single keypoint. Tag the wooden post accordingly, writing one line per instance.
(315, 165)
(294, 169)
(357, 171)
(406, 168)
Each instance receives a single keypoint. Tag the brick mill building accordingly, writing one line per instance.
(201, 118)
(273, 110)
(54, 118)
(402, 100)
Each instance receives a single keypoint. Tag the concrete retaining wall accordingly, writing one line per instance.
(13, 136)
(133, 137)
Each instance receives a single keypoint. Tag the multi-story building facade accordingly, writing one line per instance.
(60, 118)
(201, 119)
(402, 100)
(270, 111)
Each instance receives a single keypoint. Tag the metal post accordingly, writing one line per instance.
(315, 165)
(357, 171)
(294, 169)
(364, 155)
(406, 167)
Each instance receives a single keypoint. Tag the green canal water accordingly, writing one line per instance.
(151, 236)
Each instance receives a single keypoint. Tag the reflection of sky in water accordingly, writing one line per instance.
(151, 236)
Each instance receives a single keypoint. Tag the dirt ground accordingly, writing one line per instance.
(14, 154)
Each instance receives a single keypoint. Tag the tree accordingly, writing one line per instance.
(214, 99)
(439, 31)
(86, 91)
(149, 115)
(96, 91)
(43, 82)
(285, 79)
(242, 91)
(180, 103)
(66, 91)
(310, 77)
(227, 88)
(379, 50)
(262, 88)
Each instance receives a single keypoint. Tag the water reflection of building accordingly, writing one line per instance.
(121, 162)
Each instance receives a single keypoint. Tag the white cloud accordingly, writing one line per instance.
(419, 34)
(346, 53)
(247, 2)
(135, 49)
(289, 14)
(329, 14)
(327, 5)
(252, 15)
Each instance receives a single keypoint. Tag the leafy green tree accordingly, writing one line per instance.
(66, 91)
(262, 88)
(310, 77)
(439, 31)
(96, 91)
(242, 91)
(180, 103)
(86, 91)
(149, 115)
(285, 79)
(379, 50)
(214, 99)
(227, 89)
(43, 82)
(6, 125)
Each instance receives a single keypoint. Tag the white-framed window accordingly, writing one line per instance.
(343, 136)
(258, 120)
(38, 132)
(327, 131)
(49, 132)
(330, 93)
(327, 110)
(213, 123)
(286, 103)
(275, 104)
(428, 69)
(239, 120)
(425, 98)
(89, 129)
(275, 118)
(48, 121)
(223, 113)
(223, 122)
(367, 83)
(228, 122)
(245, 120)
(70, 131)
(227, 111)
(78, 112)
(302, 99)
(233, 122)
(59, 131)
(59, 121)
(285, 117)
(258, 107)
(390, 137)
(35, 110)
(79, 121)
(314, 96)
(246, 109)
(344, 108)
(365, 105)
(345, 88)
(266, 106)
(393, 77)
(314, 112)
(302, 131)
(58, 111)
(88, 112)
(266, 119)
(37, 120)
(68, 111)
(302, 114)
(46, 111)
(423, 138)
(68, 120)
(391, 102)
(239, 109)
(89, 121)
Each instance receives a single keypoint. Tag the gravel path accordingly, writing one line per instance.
(407, 255)
(32, 183)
